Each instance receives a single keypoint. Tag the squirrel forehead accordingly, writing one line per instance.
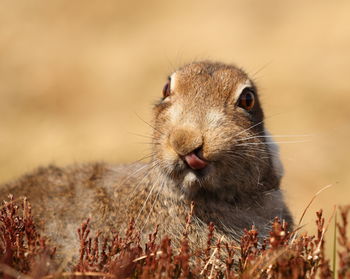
(207, 77)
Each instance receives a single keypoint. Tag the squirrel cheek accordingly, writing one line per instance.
(169, 154)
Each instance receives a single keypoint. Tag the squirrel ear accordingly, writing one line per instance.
(275, 154)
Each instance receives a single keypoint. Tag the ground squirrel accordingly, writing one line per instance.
(209, 146)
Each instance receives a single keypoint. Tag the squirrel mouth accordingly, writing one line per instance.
(194, 162)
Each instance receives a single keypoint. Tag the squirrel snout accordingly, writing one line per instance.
(187, 143)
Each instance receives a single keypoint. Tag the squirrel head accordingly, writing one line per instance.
(209, 134)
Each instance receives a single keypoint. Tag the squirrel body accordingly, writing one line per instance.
(210, 146)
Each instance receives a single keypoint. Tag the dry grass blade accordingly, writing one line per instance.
(311, 201)
(211, 257)
(145, 256)
(88, 273)
(334, 256)
(12, 272)
(269, 261)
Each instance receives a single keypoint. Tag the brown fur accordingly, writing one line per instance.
(238, 188)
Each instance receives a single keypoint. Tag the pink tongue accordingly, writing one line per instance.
(194, 162)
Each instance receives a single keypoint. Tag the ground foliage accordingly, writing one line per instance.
(24, 253)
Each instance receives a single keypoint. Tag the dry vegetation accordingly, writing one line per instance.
(284, 254)
(74, 74)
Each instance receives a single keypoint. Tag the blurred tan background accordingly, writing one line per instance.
(77, 77)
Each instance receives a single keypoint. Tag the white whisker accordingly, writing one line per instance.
(271, 143)
(276, 136)
(150, 211)
(251, 127)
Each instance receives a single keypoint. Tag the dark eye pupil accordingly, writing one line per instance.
(248, 99)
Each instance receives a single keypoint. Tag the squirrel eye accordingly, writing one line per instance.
(166, 89)
(246, 99)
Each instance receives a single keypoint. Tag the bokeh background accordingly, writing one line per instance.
(78, 79)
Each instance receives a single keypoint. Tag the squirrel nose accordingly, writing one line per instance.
(187, 143)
